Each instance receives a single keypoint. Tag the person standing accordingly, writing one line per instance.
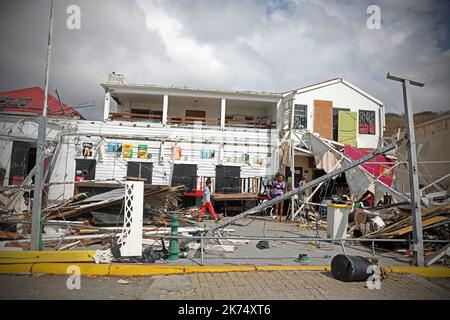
(206, 202)
(279, 189)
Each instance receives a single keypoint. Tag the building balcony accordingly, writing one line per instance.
(186, 121)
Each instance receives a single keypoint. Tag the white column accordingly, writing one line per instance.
(223, 106)
(107, 105)
(165, 109)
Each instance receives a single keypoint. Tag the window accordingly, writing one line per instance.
(366, 122)
(85, 169)
(13, 102)
(336, 122)
(142, 170)
(184, 174)
(228, 179)
(300, 116)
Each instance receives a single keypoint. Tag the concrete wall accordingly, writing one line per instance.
(433, 144)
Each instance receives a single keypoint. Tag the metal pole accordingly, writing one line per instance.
(413, 172)
(292, 164)
(36, 234)
(310, 184)
(201, 248)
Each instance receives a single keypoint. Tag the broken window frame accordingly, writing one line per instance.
(300, 117)
(367, 122)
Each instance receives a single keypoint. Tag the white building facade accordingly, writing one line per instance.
(168, 135)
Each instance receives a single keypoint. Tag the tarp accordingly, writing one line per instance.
(323, 156)
(380, 166)
(347, 127)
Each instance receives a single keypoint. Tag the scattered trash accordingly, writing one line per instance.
(263, 244)
(122, 281)
(302, 258)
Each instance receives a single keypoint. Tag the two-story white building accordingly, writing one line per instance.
(173, 135)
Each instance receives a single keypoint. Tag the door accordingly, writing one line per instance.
(23, 159)
(228, 179)
(336, 121)
(347, 128)
(184, 174)
(142, 170)
(323, 118)
(298, 175)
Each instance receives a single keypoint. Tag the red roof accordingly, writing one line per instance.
(31, 100)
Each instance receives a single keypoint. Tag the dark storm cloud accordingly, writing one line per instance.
(270, 45)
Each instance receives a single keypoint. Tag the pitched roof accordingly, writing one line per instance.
(31, 100)
(334, 81)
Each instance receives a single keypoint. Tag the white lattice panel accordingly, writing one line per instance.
(130, 240)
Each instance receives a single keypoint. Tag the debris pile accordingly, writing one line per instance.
(86, 220)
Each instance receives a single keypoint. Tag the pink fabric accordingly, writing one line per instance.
(373, 167)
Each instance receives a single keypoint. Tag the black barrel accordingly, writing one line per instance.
(350, 268)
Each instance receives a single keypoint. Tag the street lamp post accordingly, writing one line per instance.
(412, 169)
(36, 232)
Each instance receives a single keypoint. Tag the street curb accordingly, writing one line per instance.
(125, 269)
(427, 272)
(15, 257)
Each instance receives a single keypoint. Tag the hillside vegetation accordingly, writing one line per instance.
(395, 121)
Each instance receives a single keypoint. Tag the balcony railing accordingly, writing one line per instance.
(181, 120)
(123, 116)
(188, 121)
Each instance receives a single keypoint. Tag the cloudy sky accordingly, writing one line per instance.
(264, 45)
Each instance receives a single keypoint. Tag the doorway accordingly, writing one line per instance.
(228, 179)
(23, 160)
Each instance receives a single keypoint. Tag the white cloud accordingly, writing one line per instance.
(271, 45)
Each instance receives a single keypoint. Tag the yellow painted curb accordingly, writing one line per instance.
(69, 268)
(142, 270)
(213, 269)
(46, 256)
(293, 268)
(430, 272)
(16, 268)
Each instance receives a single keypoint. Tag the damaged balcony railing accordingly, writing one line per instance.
(189, 121)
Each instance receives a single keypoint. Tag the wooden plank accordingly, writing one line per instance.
(10, 235)
(442, 209)
(408, 229)
(323, 118)
(235, 196)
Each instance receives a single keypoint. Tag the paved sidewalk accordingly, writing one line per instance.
(296, 285)
(257, 285)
